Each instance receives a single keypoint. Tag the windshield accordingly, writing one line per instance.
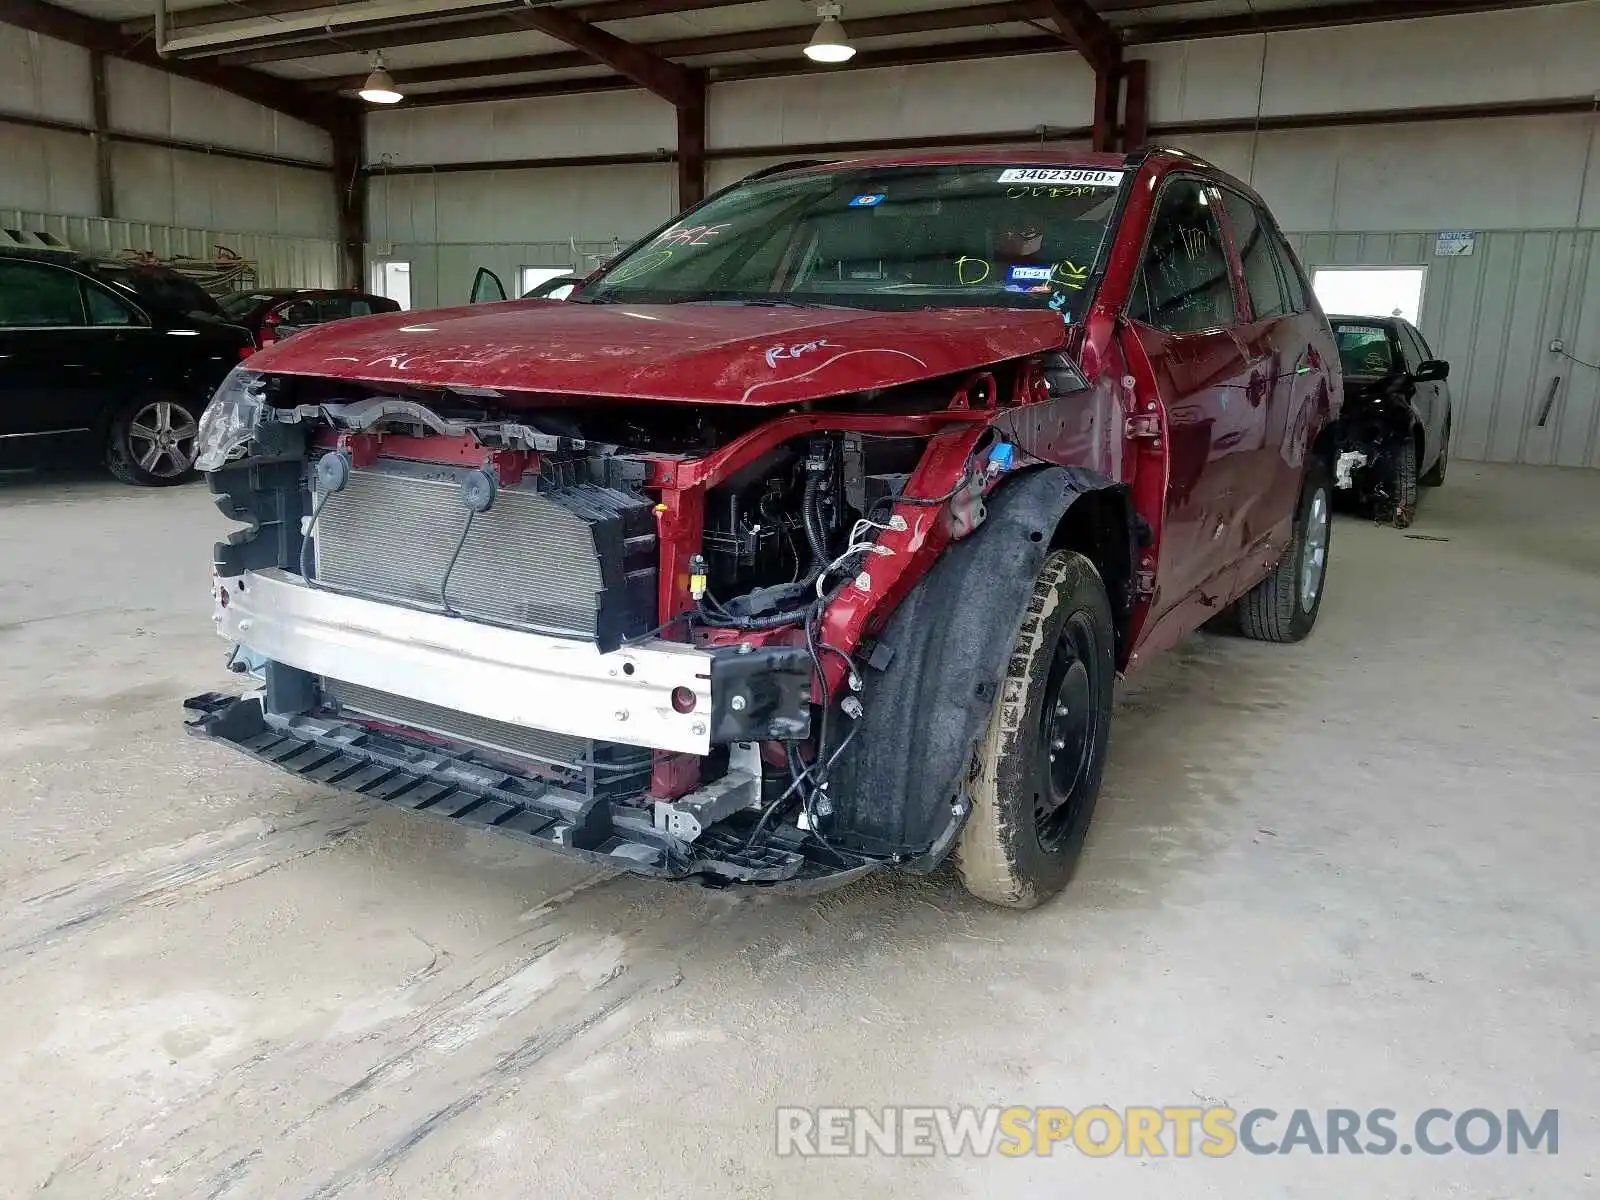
(1365, 351)
(884, 237)
(240, 303)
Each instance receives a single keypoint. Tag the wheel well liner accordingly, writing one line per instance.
(947, 646)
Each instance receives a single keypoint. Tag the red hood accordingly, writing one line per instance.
(704, 353)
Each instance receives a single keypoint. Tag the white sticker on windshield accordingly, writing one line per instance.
(1078, 175)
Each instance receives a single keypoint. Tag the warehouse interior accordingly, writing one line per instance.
(1351, 873)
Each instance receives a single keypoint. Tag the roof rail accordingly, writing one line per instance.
(1137, 157)
(792, 165)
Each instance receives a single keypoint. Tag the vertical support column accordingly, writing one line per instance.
(1135, 105)
(350, 193)
(1107, 86)
(100, 118)
(692, 145)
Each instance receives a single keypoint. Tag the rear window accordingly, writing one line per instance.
(1365, 351)
(163, 290)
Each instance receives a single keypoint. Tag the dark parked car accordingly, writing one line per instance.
(806, 539)
(107, 357)
(1396, 413)
(273, 315)
(559, 288)
(487, 288)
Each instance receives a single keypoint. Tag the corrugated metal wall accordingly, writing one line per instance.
(1493, 315)
(280, 261)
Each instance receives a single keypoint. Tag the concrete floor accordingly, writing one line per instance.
(1359, 872)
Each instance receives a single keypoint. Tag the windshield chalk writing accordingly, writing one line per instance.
(690, 235)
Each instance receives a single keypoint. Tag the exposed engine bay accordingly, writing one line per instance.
(652, 657)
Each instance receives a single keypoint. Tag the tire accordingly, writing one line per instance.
(151, 442)
(1283, 607)
(1399, 508)
(1036, 775)
(1435, 475)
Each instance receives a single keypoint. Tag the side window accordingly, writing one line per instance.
(1256, 254)
(333, 308)
(106, 309)
(1183, 283)
(1420, 343)
(1413, 348)
(1295, 292)
(36, 296)
(360, 306)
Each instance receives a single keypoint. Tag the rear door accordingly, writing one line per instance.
(1182, 313)
(1275, 349)
(54, 368)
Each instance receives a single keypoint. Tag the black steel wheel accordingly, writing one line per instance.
(1036, 775)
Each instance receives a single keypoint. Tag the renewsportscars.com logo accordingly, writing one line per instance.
(1169, 1131)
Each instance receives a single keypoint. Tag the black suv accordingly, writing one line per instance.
(113, 358)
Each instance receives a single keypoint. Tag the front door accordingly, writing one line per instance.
(1430, 393)
(1181, 335)
(486, 287)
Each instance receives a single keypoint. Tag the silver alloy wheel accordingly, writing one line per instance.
(1314, 559)
(161, 439)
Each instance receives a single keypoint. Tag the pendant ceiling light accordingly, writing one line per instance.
(380, 88)
(829, 44)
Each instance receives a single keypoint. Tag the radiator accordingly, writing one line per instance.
(555, 748)
(576, 561)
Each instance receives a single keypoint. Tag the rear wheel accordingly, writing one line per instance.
(1283, 607)
(152, 441)
(1037, 773)
(1435, 475)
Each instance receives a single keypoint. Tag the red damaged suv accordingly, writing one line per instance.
(806, 539)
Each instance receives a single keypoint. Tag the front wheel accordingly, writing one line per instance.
(152, 441)
(1283, 607)
(1399, 506)
(1037, 772)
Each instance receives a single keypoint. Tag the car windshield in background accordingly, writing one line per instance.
(240, 303)
(886, 237)
(1365, 351)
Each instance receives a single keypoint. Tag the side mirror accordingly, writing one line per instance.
(1432, 371)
